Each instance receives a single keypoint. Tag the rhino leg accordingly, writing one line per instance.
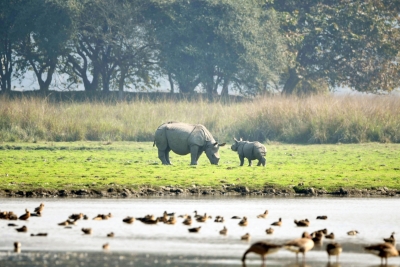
(263, 161)
(250, 163)
(194, 154)
(162, 156)
(167, 156)
(259, 163)
(199, 154)
(241, 160)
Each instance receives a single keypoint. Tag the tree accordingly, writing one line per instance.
(346, 43)
(214, 43)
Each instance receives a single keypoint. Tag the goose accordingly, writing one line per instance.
(352, 232)
(330, 236)
(261, 248)
(17, 247)
(39, 209)
(245, 237)
(87, 231)
(264, 215)
(202, 218)
(188, 220)
(302, 223)
(128, 220)
(278, 223)
(196, 215)
(110, 234)
(269, 231)
(243, 222)
(322, 217)
(224, 231)
(25, 216)
(317, 237)
(333, 249)
(300, 245)
(194, 230)
(391, 239)
(23, 229)
(383, 250)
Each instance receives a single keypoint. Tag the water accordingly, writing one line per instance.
(139, 244)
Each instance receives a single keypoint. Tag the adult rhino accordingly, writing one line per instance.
(183, 138)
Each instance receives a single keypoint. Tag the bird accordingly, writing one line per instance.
(188, 220)
(106, 246)
(243, 222)
(194, 230)
(219, 219)
(333, 249)
(25, 216)
(352, 232)
(300, 245)
(224, 231)
(236, 217)
(245, 237)
(39, 234)
(64, 223)
(330, 236)
(200, 218)
(261, 248)
(196, 215)
(317, 237)
(87, 231)
(76, 216)
(269, 231)
(383, 250)
(12, 224)
(391, 239)
(171, 220)
(110, 234)
(302, 223)
(17, 247)
(39, 209)
(264, 215)
(23, 229)
(322, 217)
(163, 218)
(278, 223)
(128, 220)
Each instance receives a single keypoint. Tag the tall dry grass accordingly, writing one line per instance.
(316, 119)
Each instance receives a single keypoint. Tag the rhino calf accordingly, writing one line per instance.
(183, 138)
(251, 151)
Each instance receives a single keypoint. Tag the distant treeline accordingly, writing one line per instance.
(311, 120)
(216, 46)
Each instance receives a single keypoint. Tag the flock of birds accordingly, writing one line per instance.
(300, 245)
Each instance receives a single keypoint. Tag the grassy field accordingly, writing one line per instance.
(97, 165)
(311, 120)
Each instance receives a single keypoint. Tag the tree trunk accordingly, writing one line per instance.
(291, 83)
(171, 82)
(225, 89)
(6, 67)
(121, 84)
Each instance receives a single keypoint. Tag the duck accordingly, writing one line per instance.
(169, 214)
(25, 216)
(390, 239)
(278, 223)
(236, 217)
(196, 215)
(163, 218)
(302, 223)
(202, 218)
(352, 232)
(85, 217)
(23, 229)
(334, 249)
(317, 237)
(150, 221)
(64, 223)
(322, 217)
(110, 234)
(12, 216)
(243, 222)
(76, 216)
(219, 219)
(128, 220)
(87, 231)
(39, 234)
(383, 250)
(171, 220)
(188, 220)
(224, 231)
(330, 236)
(39, 209)
(106, 246)
(246, 237)
(17, 247)
(194, 230)
(269, 231)
(184, 216)
(300, 245)
(12, 224)
(261, 248)
(36, 214)
(264, 215)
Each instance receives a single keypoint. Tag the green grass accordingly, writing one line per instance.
(95, 165)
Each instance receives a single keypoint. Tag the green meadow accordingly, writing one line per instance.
(99, 165)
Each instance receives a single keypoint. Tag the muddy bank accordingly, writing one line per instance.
(225, 190)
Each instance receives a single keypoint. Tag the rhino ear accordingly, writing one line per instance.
(222, 144)
(234, 139)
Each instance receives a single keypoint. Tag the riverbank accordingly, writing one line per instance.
(132, 169)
